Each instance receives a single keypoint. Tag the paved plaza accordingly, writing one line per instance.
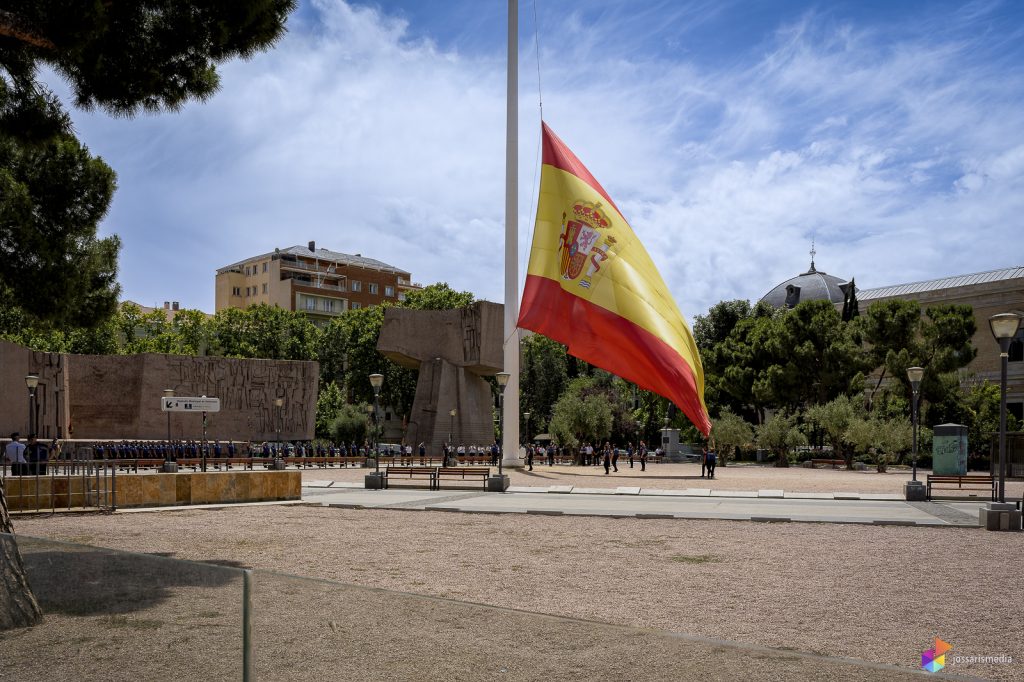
(764, 505)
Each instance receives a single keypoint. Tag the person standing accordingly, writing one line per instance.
(15, 454)
(712, 458)
(643, 455)
(629, 453)
(615, 459)
(606, 458)
(529, 457)
(703, 461)
(36, 456)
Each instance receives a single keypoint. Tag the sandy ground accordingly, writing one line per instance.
(879, 594)
(680, 476)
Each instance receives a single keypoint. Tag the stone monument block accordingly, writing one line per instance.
(453, 350)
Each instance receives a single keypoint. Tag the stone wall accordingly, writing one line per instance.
(100, 397)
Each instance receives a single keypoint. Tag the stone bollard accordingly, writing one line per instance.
(373, 481)
(1000, 516)
(279, 464)
(497, 484)
(169, 468)
(915, 491)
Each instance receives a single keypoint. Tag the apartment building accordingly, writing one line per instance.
(320, 282)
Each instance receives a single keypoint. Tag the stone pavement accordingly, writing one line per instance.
(693, 503)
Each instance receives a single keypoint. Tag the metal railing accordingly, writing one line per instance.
(65, 485)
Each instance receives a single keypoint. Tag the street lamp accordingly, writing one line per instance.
(526, 418)
(1004, 328)
(376, 381)
(32, 381)
(279, 404)
(168, 393)
(502, 378)
(914, 374)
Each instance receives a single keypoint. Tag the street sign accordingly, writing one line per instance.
(181, 404)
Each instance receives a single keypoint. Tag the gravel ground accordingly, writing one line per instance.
(679, 476)
(879, 594)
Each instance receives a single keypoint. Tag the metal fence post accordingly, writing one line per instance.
(248, 664)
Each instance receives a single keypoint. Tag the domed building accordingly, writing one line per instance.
(813, 285)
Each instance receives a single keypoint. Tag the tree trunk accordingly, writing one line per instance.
(18, 606)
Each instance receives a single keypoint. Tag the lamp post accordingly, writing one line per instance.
(32, 381)
(914, 374)
(376, 381)
(168, 393)
(451, 427)
(1004, 328)
(526, 419)
(279, 404)
(502, 378)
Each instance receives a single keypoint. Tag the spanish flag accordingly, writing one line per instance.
(591, 286)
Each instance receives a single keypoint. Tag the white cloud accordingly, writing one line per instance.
(368, 141)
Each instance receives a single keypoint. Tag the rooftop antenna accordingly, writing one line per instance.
(813, 252)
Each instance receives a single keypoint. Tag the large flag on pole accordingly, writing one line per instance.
(591, 286)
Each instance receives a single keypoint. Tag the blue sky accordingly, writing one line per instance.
(730, 135)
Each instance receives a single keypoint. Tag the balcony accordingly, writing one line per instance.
(331, 269)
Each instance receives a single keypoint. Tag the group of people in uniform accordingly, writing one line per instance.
(605, 455)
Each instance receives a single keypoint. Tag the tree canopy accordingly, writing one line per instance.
(123, 58)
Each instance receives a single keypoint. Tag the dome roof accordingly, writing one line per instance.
(812, 285)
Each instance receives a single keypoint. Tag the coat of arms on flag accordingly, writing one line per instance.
(578, 242)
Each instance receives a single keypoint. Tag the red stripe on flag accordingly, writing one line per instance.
(613, 343)
(558, 155)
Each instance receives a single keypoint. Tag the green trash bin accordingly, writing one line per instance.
(949, 450)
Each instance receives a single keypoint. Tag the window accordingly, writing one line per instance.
(247, 291)
(246, 270)
(264, 266)
(1016, 352)
(342, 285)
(356, 306)
(357, 285)
(401, 296)
(328, 305)
(389, 291)
(264, 288)
(236, 291)
(310, 303)
(373, 287)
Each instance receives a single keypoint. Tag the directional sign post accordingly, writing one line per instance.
(183, 404)
(200, 404)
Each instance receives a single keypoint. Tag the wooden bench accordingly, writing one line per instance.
(411, 474)
(834, 463)
(464, 474)
(961, 483)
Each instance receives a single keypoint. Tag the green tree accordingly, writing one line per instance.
(730, 432)
(780, 434)
(834, 418)
(581, 415)
(148, 55)
(543, 374)
(52, 197)
(263, 331)
(350, 425)
(715, 327)
(329, 404)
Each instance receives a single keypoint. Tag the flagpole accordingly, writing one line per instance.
(510, 407)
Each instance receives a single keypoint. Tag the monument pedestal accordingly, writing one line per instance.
(169, 468)
(374, 481)
(915, 491)
(279, 465)
(497, 484)
(1000, 516)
